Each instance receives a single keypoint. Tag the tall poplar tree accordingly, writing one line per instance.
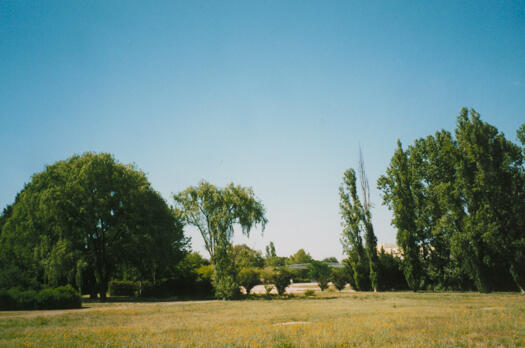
(397, 195)
(366, 218)
(352, 215)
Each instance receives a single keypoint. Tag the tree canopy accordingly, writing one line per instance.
(459, 207)
(215, 211)
(82, 220)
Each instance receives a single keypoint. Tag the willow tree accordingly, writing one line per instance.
(214, 212)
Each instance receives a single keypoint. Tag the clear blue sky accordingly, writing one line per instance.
(276, 95)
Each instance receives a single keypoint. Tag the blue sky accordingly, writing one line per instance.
(276, 95)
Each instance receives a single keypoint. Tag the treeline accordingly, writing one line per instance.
(458, 201)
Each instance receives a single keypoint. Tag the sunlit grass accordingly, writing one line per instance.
(326, 320)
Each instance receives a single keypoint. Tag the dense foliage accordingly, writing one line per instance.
(52, 298)
(459, 208)
(84, 221)
(214, 212)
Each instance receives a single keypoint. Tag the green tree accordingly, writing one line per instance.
(490, 177)
(248, 278)
(299, 257)
(215, 211)
(339, 278)
(281, 278)
(321, 273)
(271, 259)
(352, 215)
(245, 257)
(366, 218)
(89, 210)
(397, 195)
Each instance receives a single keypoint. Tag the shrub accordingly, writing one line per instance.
(248, 278)
(267, 278)
(281, 279)
(6, 301)
(23, 299)
(300, 276)
(339, 278)
(58, 298)
(321, 272)
(309, 293)
(123, 288)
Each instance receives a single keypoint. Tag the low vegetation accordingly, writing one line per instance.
(330, 319)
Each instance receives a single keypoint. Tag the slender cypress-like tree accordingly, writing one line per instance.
(352, 215)
(366, 218)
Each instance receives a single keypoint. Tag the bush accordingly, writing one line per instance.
(339, 278)
(58, 298)
(321, 272)
(123, 288)
(248, 278)
(300, 276)
(23, 299)
(281, 279)
(6, 301)
(267, 278)
(308, 293)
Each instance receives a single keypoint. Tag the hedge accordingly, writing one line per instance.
(53, 298)
(123, 288)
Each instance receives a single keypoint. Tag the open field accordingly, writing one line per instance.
(330, 319)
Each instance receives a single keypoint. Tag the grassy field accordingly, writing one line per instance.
(327, 320)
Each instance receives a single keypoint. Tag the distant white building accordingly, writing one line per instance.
(390, 248)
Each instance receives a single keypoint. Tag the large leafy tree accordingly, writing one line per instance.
(459, 207)
(301, 256)
(85, 218)
(214, 212)
(491, 181)
(397, 186)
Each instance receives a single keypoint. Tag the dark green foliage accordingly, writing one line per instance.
(339, 278)
(84, 221)
(123, 288)
(281, 279)
(397, 187)
(300, 275)
(309, 293)
(24, 299)
(352, 214)
(392, 277)
(349, 272)
(459, 208)
(62, 297)
(248, 278)
(330, 259)
(321, 273)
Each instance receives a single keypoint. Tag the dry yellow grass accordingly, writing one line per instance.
(327, 320)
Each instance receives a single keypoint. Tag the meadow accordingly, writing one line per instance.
(328, 319)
